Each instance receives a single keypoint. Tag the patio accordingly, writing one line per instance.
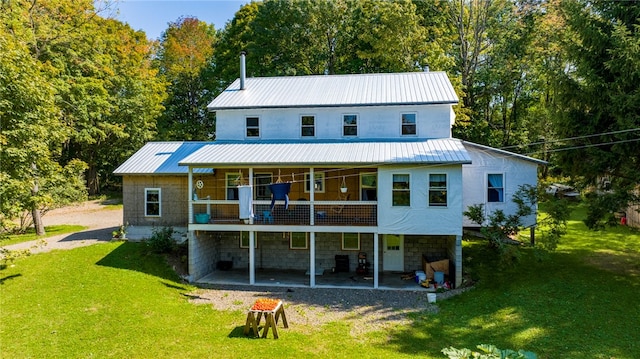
(298, 278)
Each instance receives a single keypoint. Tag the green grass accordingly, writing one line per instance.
(115, 300)
(50, 231)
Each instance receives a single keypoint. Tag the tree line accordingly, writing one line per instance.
(80, 91)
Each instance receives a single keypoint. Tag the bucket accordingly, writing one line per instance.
(202, 218)
(431, 297)
(420, 276)
(438, 277)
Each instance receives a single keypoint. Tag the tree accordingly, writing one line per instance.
(601, 102)
(185, 60)
(32, 135)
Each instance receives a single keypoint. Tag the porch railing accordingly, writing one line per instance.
(325, 213)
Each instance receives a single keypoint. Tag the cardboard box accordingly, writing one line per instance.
(436, 266)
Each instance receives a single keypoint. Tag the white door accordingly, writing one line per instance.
(392, 252)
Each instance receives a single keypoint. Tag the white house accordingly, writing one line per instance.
(370, 167)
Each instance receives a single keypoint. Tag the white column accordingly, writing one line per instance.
(458, 261)
(190, 196)
(312, 259)
(252, 258)
(376, 259)
(252, 192)
(312, 197)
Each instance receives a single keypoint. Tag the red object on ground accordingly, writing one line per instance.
(623, 221)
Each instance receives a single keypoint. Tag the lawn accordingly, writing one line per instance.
(115, 300)
(49, 230)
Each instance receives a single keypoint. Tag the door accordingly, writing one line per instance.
(392, 252)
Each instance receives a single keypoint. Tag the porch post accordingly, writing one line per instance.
(376, 258)
(190, 195)
(312, 259)
(458, 260)
(312, 197)
(252, 193)
(252, 258)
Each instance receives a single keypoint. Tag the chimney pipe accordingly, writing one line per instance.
(243, 70)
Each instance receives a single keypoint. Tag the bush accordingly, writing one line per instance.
(162, 240)
(487, 351)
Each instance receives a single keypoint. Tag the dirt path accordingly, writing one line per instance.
(100, 219)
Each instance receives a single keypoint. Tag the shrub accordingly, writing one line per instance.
(487, 351)
(161, 240)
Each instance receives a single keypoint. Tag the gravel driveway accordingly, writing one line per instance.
(100, 219)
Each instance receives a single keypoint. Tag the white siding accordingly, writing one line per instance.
(516, 172)
(419, 218)
(433, 121)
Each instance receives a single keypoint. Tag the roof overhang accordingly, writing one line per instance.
(280, 154)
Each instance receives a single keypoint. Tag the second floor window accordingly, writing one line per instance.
(401, 192)
(253, 127)
(308, 124)
(350, 125)
(437, 190)
(408, 124)
(232, 181)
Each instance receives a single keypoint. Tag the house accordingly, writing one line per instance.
(374, 182)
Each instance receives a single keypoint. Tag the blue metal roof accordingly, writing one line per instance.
(161, 158)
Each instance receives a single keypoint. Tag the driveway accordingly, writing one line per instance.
(100, 219)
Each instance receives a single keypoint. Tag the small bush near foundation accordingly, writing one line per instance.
(162, 240)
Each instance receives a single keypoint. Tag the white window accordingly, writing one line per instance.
(253, 126)
(401, 191)
(368, 187)
(232, 182)
(495, 187)
(298, 240)
(318, 183)
(349, 125)
(308, 126)
(408, 124)
(438, 190)
(244, 240)
(152, 202)
(351, 241)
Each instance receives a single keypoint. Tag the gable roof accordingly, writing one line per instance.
(233, 154)
(160, 158)
(502, 152)
(408, 88)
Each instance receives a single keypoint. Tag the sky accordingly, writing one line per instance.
(153, 16)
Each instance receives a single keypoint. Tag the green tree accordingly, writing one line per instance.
(185, 60)
(31, 181)
(601, 100)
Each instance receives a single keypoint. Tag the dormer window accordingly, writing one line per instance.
(253, 127)
(349, 125)
(408, 124)
(308, 126)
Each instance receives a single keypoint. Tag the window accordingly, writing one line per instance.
(350, 125)
(351, 241)
(298, 240)
(308, 126)
(438, 190)
(408, 124)
(152, 201)
(495, 187)
(368, 187)
(318, 183)
(253, 127)
(232, 186)
(244, 240)
(261, 183)
(401, 190)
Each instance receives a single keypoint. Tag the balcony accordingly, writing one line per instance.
(298, 213)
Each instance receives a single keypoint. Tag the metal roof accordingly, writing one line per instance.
(160, 158)
(233, 154)
(504, 153)
(408, 88)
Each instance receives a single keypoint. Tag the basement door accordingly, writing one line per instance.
(393, 252)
